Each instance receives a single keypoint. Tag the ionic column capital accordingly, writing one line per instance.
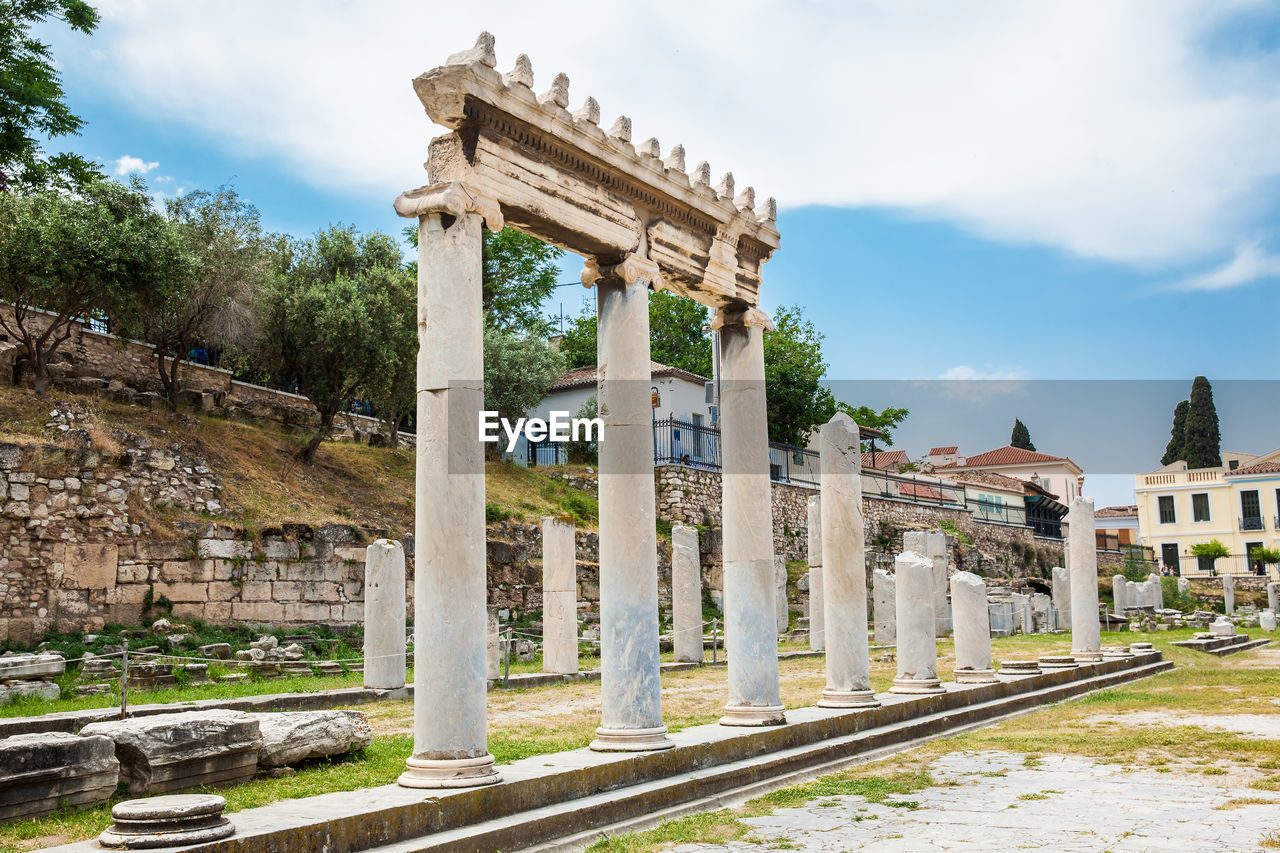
(452, 197)
(632, 269)
(747, 317)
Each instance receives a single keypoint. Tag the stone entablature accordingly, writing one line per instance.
(560, 177)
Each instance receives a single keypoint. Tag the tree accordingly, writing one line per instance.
(1174, 450)
(579, 343)
(1202, 448)
(394, 391)
(32, 103)
(1212, 550)
(1021, 436)
(1266, 556)
(330, 315)
(886, 420)
(796, 398)
(223, 234)
(582, 450)
(520, 272)
(676, 336)
(102, 251)
(518, 372)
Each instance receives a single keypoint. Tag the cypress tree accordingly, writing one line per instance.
(1021, 436)
(1202, 448)
(1173, 451)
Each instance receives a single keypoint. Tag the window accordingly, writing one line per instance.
(1169, 556)
(1250, 510)
(1200, 507)
(1166, 510)
(1233, 464)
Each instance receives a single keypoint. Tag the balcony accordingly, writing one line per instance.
(1252, 522)
(1178, 478)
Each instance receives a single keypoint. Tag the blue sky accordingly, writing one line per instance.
(980, 190)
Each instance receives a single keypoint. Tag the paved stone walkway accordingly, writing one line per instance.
(1061, 804)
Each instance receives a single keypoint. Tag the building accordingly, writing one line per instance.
(884, 460)
(1059, 477)
(1237, 503)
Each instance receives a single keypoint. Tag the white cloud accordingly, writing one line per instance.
(129, 165)
(1101, 128)
(1250, 263)
(967, 372)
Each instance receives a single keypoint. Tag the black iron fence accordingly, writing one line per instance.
(909, 487)
(694, 445)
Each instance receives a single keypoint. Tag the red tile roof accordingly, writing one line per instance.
(1116, 512)
(581, 376)
(990, 479)
(943, 451)
(1007, 455)
(1271, 466)
(884, 459)
(919, 490)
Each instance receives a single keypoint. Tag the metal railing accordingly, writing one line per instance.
(915, 489)
(1252, 522)
(679, 442)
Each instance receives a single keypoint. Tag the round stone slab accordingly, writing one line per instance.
(1019, 667)
(180, 820)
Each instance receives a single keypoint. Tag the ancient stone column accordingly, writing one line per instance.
(782, 611)
(1082, 561)
(1120, 594)
(1273, 596)
(933, 544)
(747, 513)
(1061, 599)
(1229, 593)
(686, 595)
(630, 690)
(384, 615)
(450, 581)
(1021, 605)
(883, 602)
(845, 569)
(917, 641)
(492, 651)
(559, 598)
(817, 639)
(1157, 591)
(972, 625)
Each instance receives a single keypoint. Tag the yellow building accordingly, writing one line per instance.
(1238, 504)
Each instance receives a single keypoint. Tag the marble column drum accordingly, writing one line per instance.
(933, 544)
(1082, 561)
(751, 636)
(1157, 590)
(450, 582)
(686, 595)
(845, 569)
(1229, 593)
(972, 626)
(917, 641)
(384, 615)
(1119, 593)
(883, 602)
(817, 638)
(630, 688)
(559, 598)
(1061, 598)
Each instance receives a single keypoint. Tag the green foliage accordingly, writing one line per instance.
(1202, 448)
(1021, 436)
(494, 512)
(886, 420)
(1213, 549)
(209, 305)
(1267, 556)
(1173, 451)
(1174, 598)
(518, 372)
(32, 103)
(584, 451)
(948, 526)
(1135, 568)
(583, 509)
(330, 318)
(797, 399)
(676, 336)
(96, 253)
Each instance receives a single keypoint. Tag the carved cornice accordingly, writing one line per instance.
(452, 197)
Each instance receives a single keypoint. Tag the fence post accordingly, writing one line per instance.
(124, 682)
(715, 639)
(506, 659)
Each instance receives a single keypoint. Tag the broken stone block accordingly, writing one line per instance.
(40, 772)
(170, 752)
(216, 651)
(31, 666)
(291, 737)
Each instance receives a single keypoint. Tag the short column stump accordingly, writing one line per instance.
(177, 820)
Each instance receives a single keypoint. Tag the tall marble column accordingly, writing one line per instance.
(630, 689)
(845, 572)
(1082, 561)
(450, 747)
(686, 595)
(972, 625)
(917, 640)
(817, 636)
(559, 598)
(747, 512)
(384, 615)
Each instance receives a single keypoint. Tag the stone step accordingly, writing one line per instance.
(1223, 646)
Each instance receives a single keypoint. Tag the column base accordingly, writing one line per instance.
(848, 699)
(631, 740)
(1087, 657)
(753, 715)
(975, 676)
(449, 773)
(917, 685)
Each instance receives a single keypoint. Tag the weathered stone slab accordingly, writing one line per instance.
(384, 615)
(172, 752)
(883, 598)
(686, 595)
(1061, 599)
(40, 772)
(293, 736)
(31, 666)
